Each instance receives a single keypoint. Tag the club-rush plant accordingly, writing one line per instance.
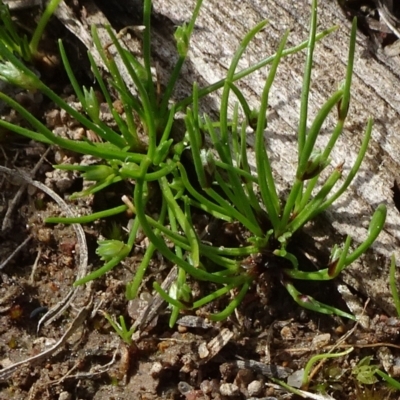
(224, 187)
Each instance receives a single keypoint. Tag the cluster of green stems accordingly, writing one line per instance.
(244, 196)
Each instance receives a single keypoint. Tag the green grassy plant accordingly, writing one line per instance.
(20, 45)
(245, 197)
(231, 173)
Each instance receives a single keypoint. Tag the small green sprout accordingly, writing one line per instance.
(92, 105)
(364, 372)
(367, 374)
(121, 328)
(108, 249)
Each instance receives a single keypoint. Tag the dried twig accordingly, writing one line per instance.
(12, 255)
(95, 371)
(7, 221)
(34, 267)
(386, 15)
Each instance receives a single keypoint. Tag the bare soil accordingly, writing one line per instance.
(268, 337)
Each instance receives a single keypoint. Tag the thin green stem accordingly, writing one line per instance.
(243, 102)
(148, 106)
(313, 206)
(182, 220)
(301, 137)
(294, 194)
(181, 279)
(310, 303)
(389, 380)
(314, 132)
(195, 144)
(147, 51)
(223, 209)
(150, 176)
(213, 296)
(374, 229)
(231, 266)
(232, 211)
(126, 125)
(238, 198)
(71, 75)
(344, 105)
(44, 19)
(393, 285)
(318, 357)
(354, 169)
(99, 272)
(87, 218)
(233, 305)
(242, 172)
(245, 167)
(266, 180)
(229, 80)
(167, 298)
(133, 287)
(182, 57)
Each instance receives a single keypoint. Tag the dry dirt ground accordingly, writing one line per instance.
(268, 337)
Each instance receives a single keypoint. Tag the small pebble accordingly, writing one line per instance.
(319, 341)
(296, 379)
(156, 369)
(182, 329)
(184, 388)
(286, 333)
(203, 350)
(65, 396)
(208, 387)
(229, 390)
(254, 388)
(243, 377)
